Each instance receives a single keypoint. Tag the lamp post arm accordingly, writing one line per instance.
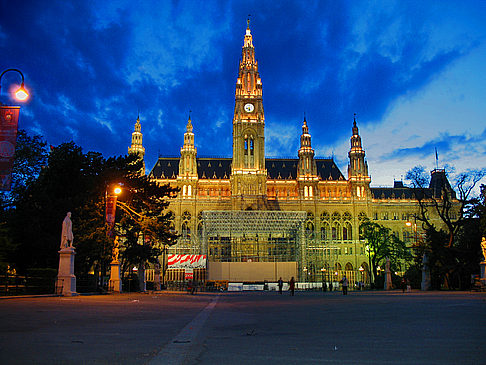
(11, 69)
(129, 210)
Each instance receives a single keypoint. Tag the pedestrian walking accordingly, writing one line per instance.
(403, 284)
(280, 285)
(409, 286)
(292, 286)
(345, 283)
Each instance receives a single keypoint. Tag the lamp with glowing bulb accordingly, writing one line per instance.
(21, 93)
(115, 282)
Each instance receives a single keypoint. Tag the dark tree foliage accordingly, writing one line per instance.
(449, 208)
(144, 224)
(382, 244)
(452, 249)
(30, 157)
(77, 182)
(62, 186)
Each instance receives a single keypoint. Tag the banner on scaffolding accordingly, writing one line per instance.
(186, 261)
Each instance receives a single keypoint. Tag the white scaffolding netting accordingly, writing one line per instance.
(237, 223)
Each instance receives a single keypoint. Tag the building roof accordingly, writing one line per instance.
(220, 168)
(392, 193)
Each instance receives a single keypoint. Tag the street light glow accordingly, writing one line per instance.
(21, 94)
(117, 190)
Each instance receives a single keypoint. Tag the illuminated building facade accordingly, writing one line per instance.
(259, 218)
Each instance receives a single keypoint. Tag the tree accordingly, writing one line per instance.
(382, 244)
(62, 186)
(71, 180)
(441, 199)
(449, 252)
(144, 223)
(29, 159)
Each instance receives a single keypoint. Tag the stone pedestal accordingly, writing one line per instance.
(425, 284)
(66, 281)
(115, 283)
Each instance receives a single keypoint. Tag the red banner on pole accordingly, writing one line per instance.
(110, 213)
(9, 119)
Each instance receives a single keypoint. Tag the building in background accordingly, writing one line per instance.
(259, 218)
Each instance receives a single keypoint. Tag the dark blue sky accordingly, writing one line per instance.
(413, 71)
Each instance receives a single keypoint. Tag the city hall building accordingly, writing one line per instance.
(257, 218)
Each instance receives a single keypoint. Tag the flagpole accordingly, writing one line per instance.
(436, 159)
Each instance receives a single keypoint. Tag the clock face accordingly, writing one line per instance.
(249, 108)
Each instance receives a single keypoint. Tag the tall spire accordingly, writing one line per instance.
(307, 168)
(248, 173)
(248, 37)
(189, 135)
(187, 165)
(358, 167)
(137, 138)
(189, 124)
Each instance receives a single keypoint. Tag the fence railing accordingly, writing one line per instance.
(13, 284)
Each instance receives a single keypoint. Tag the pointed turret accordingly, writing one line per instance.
(187, 165)
(137, 147)
(306, 168)
(358, 167)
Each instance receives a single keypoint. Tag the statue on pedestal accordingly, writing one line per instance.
(66, 280)
(116, 249)
(67, 237)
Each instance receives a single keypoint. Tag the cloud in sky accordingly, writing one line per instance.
(412, 71)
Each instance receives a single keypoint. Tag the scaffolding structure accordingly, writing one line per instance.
(254, 236)
(266, 236)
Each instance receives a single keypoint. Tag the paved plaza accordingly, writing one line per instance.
(246, 328)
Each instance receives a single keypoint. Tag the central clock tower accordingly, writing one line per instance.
(248, 173)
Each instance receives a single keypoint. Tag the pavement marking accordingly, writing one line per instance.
(181, 348)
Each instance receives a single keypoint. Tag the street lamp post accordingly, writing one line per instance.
(115, 283)
(21, 93)
(323, 270)
(413, 228)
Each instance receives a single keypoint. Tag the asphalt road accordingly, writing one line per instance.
(246, 328)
